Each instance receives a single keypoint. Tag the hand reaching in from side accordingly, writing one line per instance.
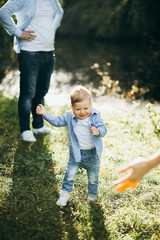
(138, 169)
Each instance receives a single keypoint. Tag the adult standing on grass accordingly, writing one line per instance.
(138, 168)
(34, 34)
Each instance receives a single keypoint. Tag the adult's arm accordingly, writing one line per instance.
(6, 12)
(58, 14)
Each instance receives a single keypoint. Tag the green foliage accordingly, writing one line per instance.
(7, 56)
(61, 2)
(2, 2)
(145, 17)
(108, 19)
(155, 118)
(31, 176)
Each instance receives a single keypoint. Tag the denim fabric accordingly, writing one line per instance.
(24, 11)
(35, 72)
(89, 161)
(68, 119)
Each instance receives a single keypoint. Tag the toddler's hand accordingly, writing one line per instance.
(94, 131)
(40, 110)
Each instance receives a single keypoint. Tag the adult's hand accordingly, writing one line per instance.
(137, 170)
(28, 36)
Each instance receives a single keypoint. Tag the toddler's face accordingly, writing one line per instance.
(82, 109)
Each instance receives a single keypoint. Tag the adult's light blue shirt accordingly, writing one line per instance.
(24, 10)
(70, 120)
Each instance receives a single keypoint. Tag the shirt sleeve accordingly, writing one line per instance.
(100, 125)
(58, 14)
(57, 121)
(6, 13)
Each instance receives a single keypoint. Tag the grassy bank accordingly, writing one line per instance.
(31, 176)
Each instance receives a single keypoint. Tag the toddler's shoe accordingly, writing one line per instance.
(91, 198)
(28, 136)
(62, 201)
(44, 129)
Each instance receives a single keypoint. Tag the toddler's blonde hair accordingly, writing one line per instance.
(79, 94)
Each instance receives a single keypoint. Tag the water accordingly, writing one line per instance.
(127, 61)
(124, 62)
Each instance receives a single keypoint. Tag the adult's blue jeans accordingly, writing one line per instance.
(91, 162)
(35, 73)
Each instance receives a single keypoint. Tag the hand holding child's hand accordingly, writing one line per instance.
(40, 110)
(94, 131)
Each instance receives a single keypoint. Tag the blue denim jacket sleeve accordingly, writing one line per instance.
(99, 124)
(57, 121)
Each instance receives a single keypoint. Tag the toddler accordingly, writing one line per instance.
(86, 128)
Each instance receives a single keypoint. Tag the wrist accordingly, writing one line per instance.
(98, 132)
(18, 32)
(154, 160)
(44, 114)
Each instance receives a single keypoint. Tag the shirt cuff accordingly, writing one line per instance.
(18, 32)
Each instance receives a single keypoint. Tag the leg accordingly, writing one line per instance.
(43, 83)
(93, 175)
(71, 171)
(29, 68)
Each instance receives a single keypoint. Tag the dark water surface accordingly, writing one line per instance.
(127, 62)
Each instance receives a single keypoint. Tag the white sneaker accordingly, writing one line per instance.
(28, 136)
(62, 201)
(91, 198)
(41, 130)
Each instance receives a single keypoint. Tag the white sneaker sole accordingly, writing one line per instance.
(36, 131)
(24, 140)
(60, 204)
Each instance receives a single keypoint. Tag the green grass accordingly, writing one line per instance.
(31, 176)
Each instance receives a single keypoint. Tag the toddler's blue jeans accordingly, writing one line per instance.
(35, 72)
(91, 162)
